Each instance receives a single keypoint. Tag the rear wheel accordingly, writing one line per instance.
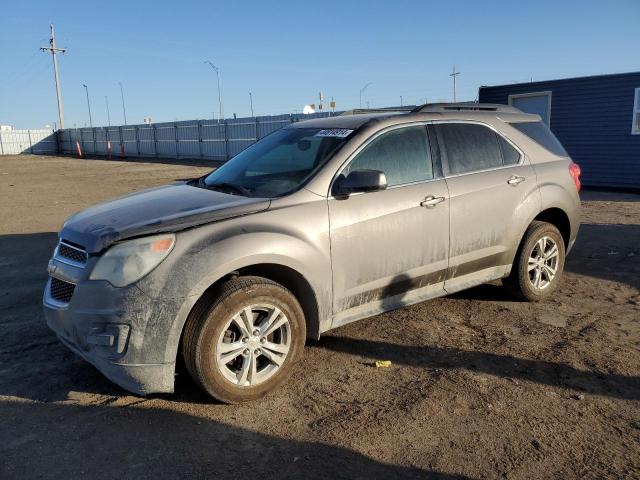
(244, 344)
(539, 263)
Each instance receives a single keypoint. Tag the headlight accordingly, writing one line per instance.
(129, 261)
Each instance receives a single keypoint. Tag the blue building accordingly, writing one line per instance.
(596, 118)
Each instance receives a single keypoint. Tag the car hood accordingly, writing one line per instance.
(169, 208)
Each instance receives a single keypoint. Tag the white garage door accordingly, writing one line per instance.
(535, 102)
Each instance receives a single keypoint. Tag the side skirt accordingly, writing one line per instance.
(419, 295)
(387, 304)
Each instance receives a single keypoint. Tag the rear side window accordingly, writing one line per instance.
(510, 156)
(542, 135)
(469, 148)
(402, 154)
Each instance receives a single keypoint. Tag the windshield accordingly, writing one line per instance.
(278, 164)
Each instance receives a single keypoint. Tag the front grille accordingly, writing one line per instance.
(61, 291)
(72, 253)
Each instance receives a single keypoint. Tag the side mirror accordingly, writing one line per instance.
(360, 181)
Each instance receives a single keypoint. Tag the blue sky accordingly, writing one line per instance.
(286, 52)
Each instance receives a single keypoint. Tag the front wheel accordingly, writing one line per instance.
(244, 345)
(539, 263)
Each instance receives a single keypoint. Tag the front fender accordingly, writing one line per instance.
(202, 256)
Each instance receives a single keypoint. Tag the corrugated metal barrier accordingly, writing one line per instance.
(211, 139)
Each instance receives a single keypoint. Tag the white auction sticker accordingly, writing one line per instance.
(334, 132)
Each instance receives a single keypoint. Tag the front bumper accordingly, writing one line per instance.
(109, 328)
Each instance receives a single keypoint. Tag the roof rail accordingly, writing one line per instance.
(359, 111)
(466, 107)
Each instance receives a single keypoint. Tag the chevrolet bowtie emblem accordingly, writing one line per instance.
(51, 268)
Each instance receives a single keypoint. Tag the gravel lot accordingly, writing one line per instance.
(481, 386)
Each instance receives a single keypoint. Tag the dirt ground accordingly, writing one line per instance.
(481, 386)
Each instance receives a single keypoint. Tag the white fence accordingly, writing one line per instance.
(14, 142)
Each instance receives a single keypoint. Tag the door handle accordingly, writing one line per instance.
(515, 180)
(431, 201)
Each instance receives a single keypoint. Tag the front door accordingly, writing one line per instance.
(390, 247)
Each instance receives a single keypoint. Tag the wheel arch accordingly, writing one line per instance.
(559, 219)
(284, 275)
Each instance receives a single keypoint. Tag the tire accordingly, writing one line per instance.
(217, 330)
(523, 282)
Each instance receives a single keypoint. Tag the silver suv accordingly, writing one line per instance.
(317, 225)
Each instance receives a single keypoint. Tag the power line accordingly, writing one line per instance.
(53, 50)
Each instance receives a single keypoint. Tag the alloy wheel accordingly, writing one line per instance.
(253, 345)
(543, 263)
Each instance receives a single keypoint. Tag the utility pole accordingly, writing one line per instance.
(454, 75)
(86, 89)
(400, 100)
(106, 101)
(251, 102)
(217, 70)
(361, 91)
(54, 50)
(124, 111)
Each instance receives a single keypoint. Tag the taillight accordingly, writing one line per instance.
(574, 171)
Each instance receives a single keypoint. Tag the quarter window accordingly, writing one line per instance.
(402, 154)
(635, 126)
(469, 148)
(510, 156)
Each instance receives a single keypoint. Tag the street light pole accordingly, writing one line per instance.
(106, 101)
(361, 91)
(86, 90)
(217, 70)
(124, 111)
(251, 102)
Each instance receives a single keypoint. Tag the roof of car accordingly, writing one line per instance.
(357, 118)
(343, 121)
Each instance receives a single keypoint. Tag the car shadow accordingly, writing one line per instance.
(102, 442)
(487, 292)
(506, 366)
(607, 251)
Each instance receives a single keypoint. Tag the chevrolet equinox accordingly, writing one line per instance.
(316, 225)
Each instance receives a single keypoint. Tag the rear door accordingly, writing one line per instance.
(390, 247)
(492, 190)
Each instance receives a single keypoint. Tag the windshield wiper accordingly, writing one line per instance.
(228, 186)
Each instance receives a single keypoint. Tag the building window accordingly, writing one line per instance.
(635, 126)
(533, 102)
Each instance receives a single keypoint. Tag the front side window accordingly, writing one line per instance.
(635, 127)
(278, 164)
(402, 154)
(469, 148)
